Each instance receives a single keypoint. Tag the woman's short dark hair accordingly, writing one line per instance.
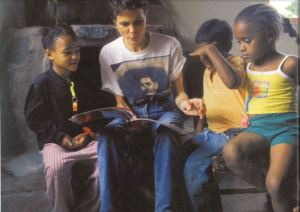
(118, 6)
(216, 30)
(50, 34)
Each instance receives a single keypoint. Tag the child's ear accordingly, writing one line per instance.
(270, 38)
(48, 53)
(114, 22)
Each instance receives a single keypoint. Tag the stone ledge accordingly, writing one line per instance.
(24, 164)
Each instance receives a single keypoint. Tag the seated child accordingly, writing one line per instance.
(224, 107)
(51, 100)
(272, 79)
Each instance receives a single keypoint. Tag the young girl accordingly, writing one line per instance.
(50, 101)
(272, 132)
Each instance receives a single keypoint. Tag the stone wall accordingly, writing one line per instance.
(24, 58)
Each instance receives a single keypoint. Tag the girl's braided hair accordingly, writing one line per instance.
(263, 18)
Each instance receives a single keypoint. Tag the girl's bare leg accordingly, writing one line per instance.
(245, 155)
(280, 175)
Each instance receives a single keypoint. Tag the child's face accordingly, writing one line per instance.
(131, 24)
(65, 54)
(253, 45)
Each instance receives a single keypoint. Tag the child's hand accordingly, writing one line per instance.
(200, 52)
(68, 142)
(203, 52)
(78, 142)
(203, 49)
(82, 139)
(193, 107)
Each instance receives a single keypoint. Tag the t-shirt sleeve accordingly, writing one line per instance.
(177, 60)
(108, 78)
(38, 116)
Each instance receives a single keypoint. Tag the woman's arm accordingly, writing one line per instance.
(120, 102)
(192, 107)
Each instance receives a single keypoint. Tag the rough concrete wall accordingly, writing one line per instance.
(13, 12)
(24, 58)
(79, 11)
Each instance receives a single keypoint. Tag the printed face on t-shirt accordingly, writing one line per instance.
(148, 85)
(140, 78)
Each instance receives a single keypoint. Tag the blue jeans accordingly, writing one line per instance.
(115, 176)
(197, 166)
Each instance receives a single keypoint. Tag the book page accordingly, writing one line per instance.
(102, 114)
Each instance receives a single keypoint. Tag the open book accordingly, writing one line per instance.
(134, 123)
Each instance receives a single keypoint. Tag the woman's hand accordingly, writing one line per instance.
(193, 107)
(120, 102)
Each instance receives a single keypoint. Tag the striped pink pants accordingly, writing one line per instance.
(63, 170)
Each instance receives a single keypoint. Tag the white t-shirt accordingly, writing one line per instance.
(138, 74)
